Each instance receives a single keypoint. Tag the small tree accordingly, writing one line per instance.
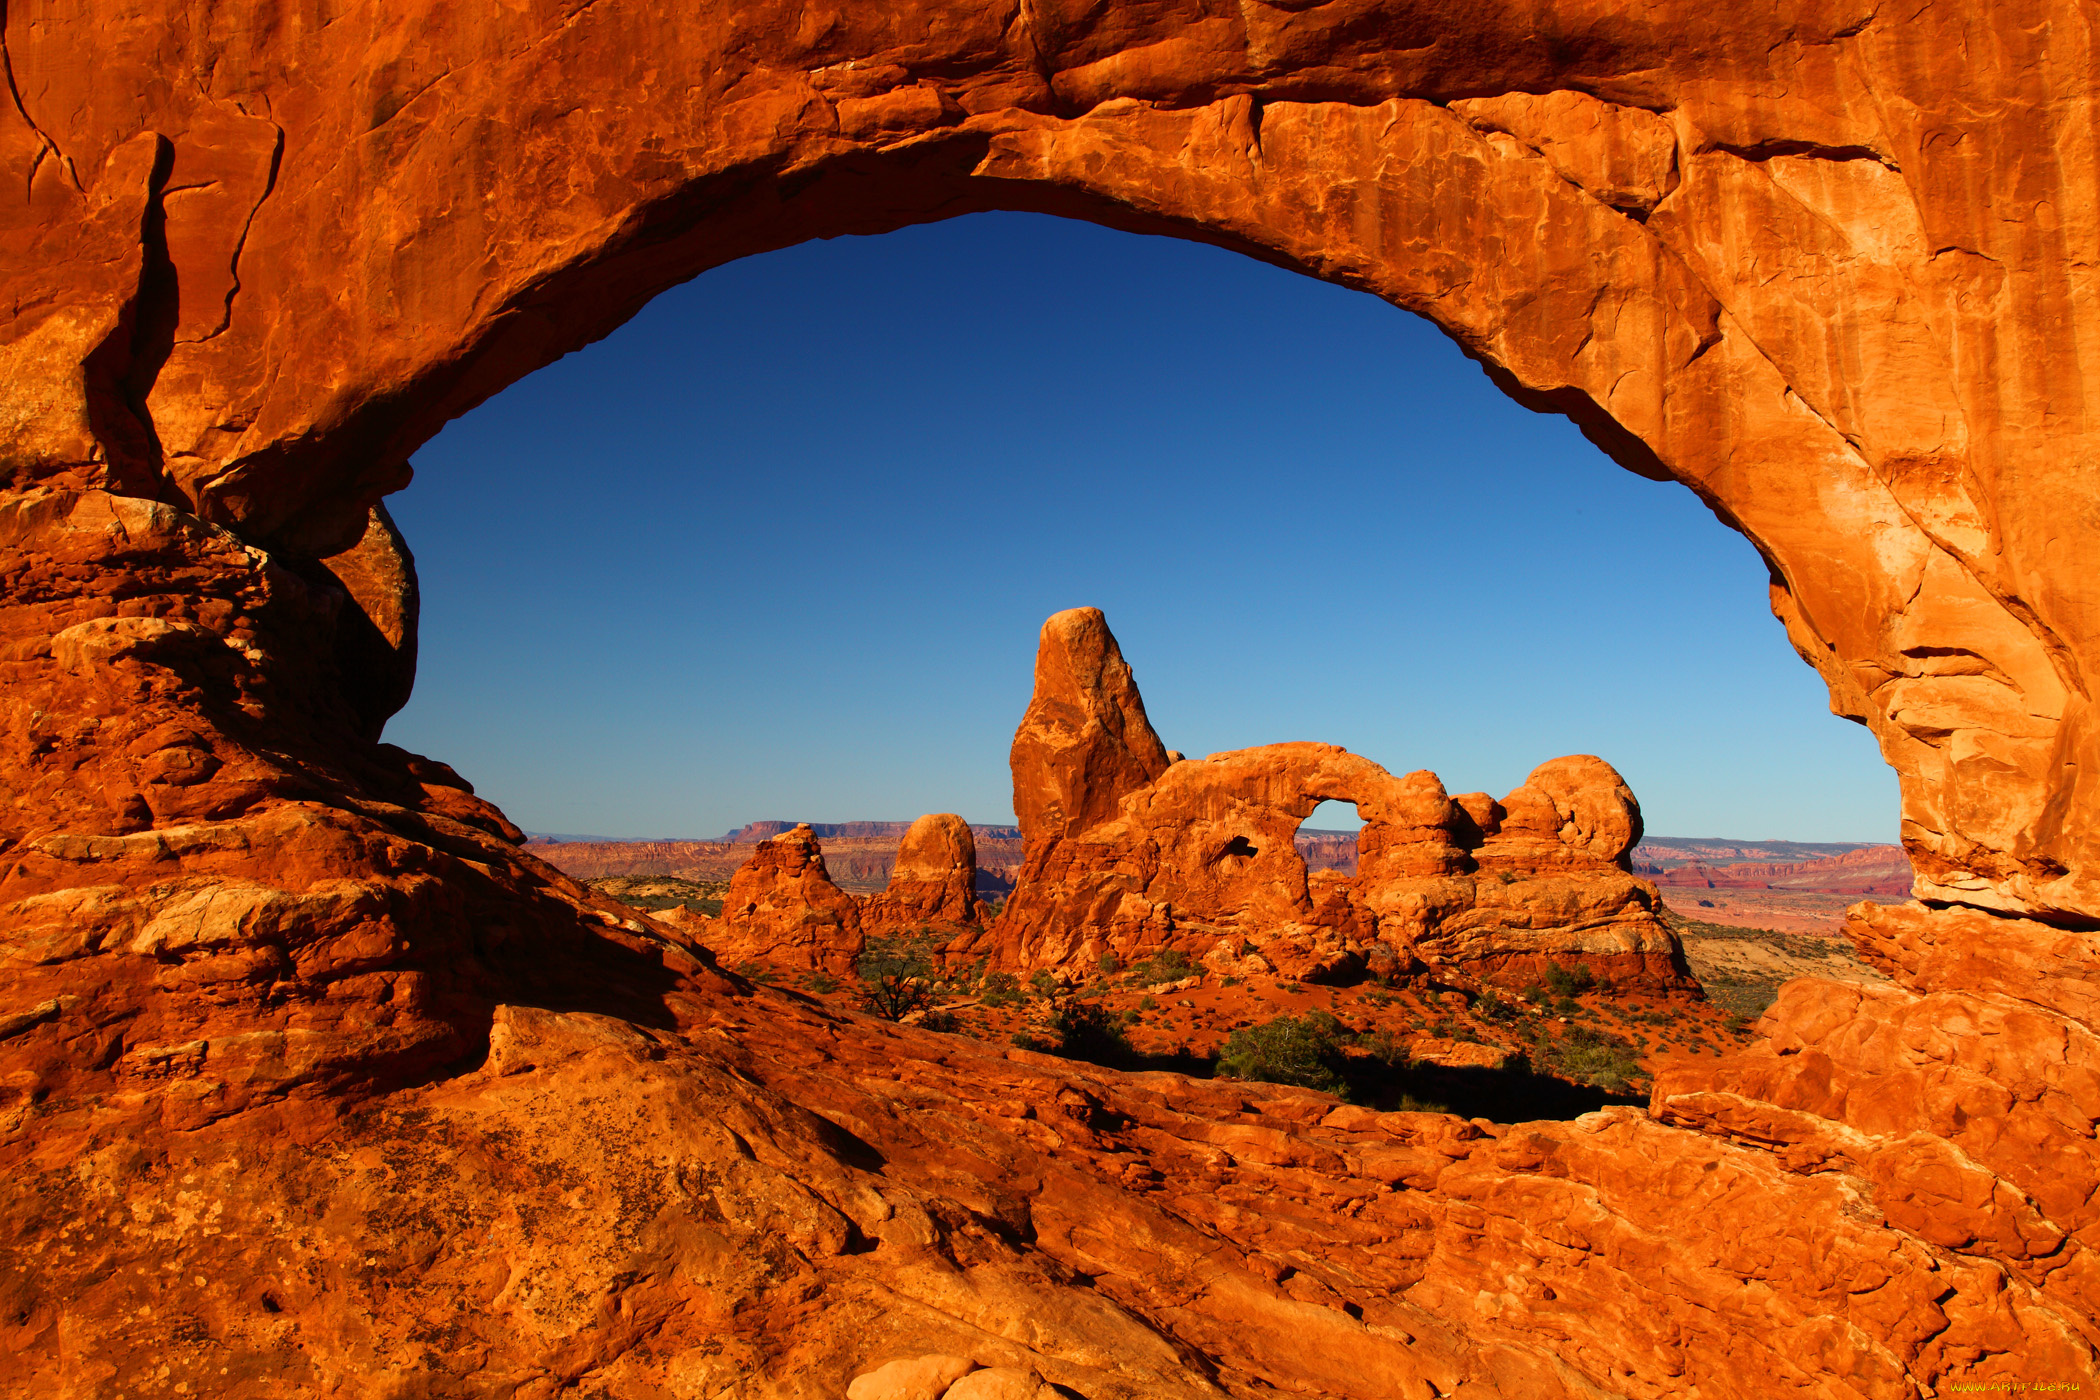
(896, 975)
(1303, 1050)
(1567, 982)
(1087, 1030)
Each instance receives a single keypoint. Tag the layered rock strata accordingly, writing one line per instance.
(315, 1082)
(1200, 857)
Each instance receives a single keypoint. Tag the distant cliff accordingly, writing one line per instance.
(859, 856)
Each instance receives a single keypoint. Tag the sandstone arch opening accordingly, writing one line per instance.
(1410, 464)
(1327, 839)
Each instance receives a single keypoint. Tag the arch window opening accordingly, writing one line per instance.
(1327, 838)
(777, 553)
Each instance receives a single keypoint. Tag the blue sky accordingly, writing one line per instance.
(781, 545)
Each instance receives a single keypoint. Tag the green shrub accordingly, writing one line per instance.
(896, 975)
(1148, 1002)
(1494, 1007)
(1410, 1104)
(1385, 1048)
(1087, 1030)
(1166, 965)
(1591, 1056)
(1108, 964)
(1042, 983)
(1304, 1050)
(938, 1020)
(756, 971)
(821, 982)
(1567, 982)
(1000, 989)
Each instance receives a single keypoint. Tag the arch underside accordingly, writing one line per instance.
(1834, 280)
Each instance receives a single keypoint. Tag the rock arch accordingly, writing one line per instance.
(1131, 850)
(255, 293)
(1829, 267)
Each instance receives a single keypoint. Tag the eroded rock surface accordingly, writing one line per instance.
(316, 1083)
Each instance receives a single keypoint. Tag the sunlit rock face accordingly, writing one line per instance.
(782, 907)
(1131, 857)
(933, 884)
(317, 1082)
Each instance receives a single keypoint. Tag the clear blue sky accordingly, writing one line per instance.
(780, 548)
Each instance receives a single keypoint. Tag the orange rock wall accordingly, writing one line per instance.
(314, 1082)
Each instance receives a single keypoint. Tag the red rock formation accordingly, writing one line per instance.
(1084, 741)
(1203, 860)
(314, 1081)
(934, 882)
(783, 908)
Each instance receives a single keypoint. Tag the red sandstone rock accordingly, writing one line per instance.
(934, 882)
(783, 908)
(1203, 860)
(1084, 741)
(315, 1082)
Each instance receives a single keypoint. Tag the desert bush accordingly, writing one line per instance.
(1494, 1007)
(819, 981)
(1303, 1050)
(896, 975)
(1042, 983)
(1108, 964)
(1567, 982)
(1592, 1057)
(1087, 1030)
(1166, 965)
(756, 971)
(1385, 1048)
(939, 1020)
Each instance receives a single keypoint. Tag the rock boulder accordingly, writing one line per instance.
(782, 908)
(934, 882)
